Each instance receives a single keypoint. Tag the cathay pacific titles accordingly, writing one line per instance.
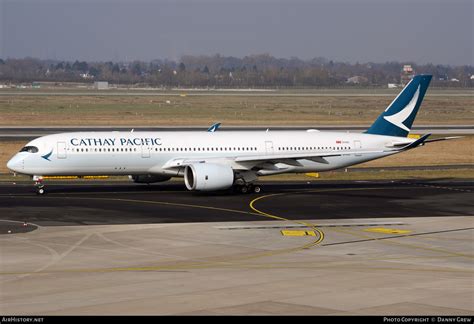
(137, 141)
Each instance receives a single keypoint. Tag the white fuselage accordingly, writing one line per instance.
(133, 153)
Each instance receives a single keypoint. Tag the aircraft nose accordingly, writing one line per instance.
(15, 164)
(11, 165)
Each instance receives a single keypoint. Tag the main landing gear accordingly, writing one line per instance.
(245, 182)
(40, 190)
(248, 188)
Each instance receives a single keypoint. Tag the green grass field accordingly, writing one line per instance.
(242, 109)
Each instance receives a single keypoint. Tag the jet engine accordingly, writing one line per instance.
(208, 176)
(149, 178)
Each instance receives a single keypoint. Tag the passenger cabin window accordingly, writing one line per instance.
(29, 149)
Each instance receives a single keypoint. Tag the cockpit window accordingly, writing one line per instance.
(29, 149)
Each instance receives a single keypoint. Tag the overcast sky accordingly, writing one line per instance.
(422, 31)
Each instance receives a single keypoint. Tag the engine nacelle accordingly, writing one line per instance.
(149, 178)
(208, 176)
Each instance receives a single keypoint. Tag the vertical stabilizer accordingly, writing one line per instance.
(398, 118)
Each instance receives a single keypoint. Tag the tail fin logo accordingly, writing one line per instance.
(398, 118)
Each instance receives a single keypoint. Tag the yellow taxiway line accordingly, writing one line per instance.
(309, 225)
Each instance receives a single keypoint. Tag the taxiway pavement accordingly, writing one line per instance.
(391, 248)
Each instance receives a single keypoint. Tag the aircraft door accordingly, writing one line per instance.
(145, 151)
(357, 146)
(268, 147)
(62, 150)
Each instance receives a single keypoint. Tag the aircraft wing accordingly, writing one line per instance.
(248, 162)
(292, 159)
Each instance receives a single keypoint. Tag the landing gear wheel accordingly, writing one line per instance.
(247, 188)
(40, 190)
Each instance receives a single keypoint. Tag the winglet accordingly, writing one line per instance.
(214, 127)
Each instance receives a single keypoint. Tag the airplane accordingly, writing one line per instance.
(211, 161)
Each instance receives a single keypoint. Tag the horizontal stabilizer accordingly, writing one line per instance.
(443, 139)
(416, 143)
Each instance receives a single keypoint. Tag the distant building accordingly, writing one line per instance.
(392, 85)
(101, 85)
(407, 74)
(357, 80)
(86, 76)
(443, 77)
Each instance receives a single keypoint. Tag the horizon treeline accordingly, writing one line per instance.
(216, 71)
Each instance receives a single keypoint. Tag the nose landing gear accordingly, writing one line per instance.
(40, 190)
